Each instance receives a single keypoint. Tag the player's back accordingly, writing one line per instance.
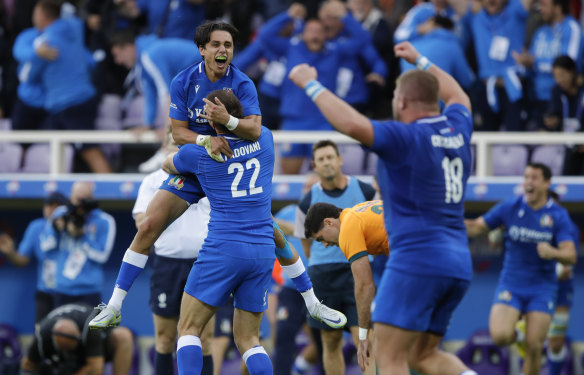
(240, 190)
(428, 166)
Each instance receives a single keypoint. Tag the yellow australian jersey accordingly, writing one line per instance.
(363, 231)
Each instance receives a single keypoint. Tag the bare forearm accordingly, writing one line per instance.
(183, 136)
(364, 294)
(18, 260)
(474, 227)
(566, 255)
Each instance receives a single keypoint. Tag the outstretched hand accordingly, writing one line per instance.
(301, 74)
(406, 51)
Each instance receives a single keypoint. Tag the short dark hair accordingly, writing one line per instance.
(51, 8)
(323, 144)
(565, 62)
(122, 38)
(545, 170)
(203, 32)
(314, 220)
(229, 100)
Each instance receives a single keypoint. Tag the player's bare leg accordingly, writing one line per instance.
(502, 320)
(332, 352)
(537, 326)
(122, 342)
(391, 348)
(246, 331)
(164, 208)
(427, 358)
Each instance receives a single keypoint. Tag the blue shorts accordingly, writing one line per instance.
(186, 187)
(216, 275)
(539, 299)
(166, 292)
(565, 293)
(417, 303)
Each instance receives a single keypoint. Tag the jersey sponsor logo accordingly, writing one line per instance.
(197, 87)
(228, 89)
(178, 182)
(247, 149)
(546, 221)
(504, 296)
(447, 142)
(522, 234)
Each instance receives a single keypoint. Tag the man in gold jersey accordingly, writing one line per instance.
(359, 231)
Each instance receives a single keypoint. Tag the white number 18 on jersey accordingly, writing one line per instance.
(453, 178)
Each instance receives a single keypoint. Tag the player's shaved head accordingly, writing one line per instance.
(81, 190)
(66, 335)
(418, 86)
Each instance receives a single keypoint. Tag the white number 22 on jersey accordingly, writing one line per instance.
(453, 178)
(239, 169)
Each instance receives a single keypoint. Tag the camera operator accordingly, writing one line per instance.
(63, 345)
(86, 237)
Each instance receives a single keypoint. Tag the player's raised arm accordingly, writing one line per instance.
(449, 90)
(339, 114)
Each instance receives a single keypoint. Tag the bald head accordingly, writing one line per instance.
(65, 334)
(81, 190)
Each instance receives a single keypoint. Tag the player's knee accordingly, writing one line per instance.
(165, 341)
(332, 340)
(533, 347)
(501, 337)
(122, 339)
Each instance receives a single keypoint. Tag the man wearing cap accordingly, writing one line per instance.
(65, 345)
(38, 242)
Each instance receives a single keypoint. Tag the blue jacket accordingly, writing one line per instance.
(80, 261)
(66, 80)
(30, 89)
(433, 45)
(549, 42)
(351, 85)
(159, 61)
(274, 75)
(295, 105)
(183, 17)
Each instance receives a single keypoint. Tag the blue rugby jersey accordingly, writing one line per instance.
(238, 190)
(524, 228)
(190, 86)
(427, 164)
(549, 42)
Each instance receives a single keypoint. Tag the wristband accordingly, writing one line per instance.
(422, 63)
(313, 89)
(362, 334)
(232, 123)
(201, 139)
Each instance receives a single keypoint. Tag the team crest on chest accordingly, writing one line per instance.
(178, 182)
(546, 221)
